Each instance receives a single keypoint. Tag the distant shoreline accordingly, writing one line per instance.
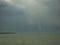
(7, 33)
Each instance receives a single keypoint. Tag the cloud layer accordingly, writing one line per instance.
(19, 14)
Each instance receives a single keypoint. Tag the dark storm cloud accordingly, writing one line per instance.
(32, 18)
(10, 17)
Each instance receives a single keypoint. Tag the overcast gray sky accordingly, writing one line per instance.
(38, 9)
(31, 12)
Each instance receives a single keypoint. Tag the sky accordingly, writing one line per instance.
(35, 9)
(29, 12)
